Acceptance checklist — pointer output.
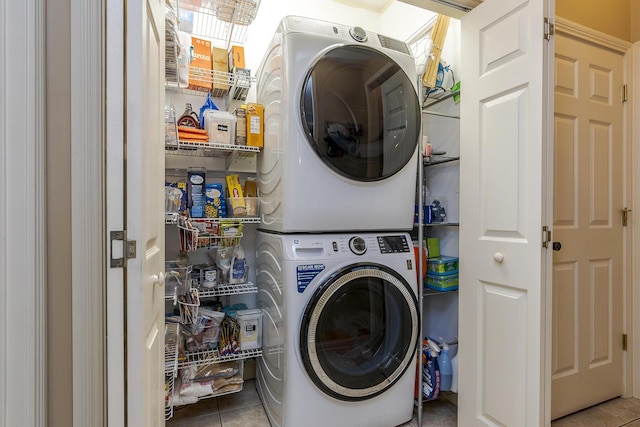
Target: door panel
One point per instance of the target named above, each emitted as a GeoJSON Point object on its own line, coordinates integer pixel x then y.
{"type": "Point", "coordinates": [588, 187]}
{"type": "Point", "coordinates": [145, 212]}
{"type": "Point", "coordinates": [503, 208]}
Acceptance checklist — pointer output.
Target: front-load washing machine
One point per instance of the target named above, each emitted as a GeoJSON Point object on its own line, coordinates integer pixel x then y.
{"type": "Point", "coordinates": [341, 127]}
{"type": "Point", "coordinates": [339, 330]}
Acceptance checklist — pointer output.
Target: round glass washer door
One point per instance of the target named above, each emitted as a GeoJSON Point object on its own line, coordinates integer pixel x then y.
{"type": "Point", "coordinates": [359, 332]}
{"type": "Point", "coordinates": [360, 113]}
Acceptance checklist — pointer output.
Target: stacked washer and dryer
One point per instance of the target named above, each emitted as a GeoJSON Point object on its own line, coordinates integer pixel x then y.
{"type": "Point", "coordinates": [336, 272]}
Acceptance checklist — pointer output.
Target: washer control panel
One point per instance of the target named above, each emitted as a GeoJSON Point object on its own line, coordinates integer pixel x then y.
{"type": "Point", "coordinates": [393, 244]}
{"type": "Point", "coordinates": [357, 245]}
{"type": "Point", "coordinates": [358, 34]}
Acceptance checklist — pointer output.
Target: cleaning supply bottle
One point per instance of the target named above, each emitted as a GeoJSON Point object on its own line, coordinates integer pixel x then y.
{"type": "Point", "coordinates": [446, 371]}
{"type": "Point", "coordinates": [430, 371]}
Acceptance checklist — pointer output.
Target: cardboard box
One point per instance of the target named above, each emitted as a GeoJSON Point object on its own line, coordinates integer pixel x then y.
{"type": "Point", "coordinates": [220, 66]}
{"type": "Point", "coordinates": [255, 125]}
{"type": "Point", "coordinates": [200, 79]}
{"type": "Point", "coordinates": [236, 58]}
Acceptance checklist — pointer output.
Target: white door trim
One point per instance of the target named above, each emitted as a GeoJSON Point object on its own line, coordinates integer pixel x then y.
{"type": "Point", "coordinates": [87, 213]}
{"type": "Point", "coordinates": [22, 214]}
{"type": "Point", "coordinates": [631, 142]}
{"type": "Point", "coordinates": [634, 129]}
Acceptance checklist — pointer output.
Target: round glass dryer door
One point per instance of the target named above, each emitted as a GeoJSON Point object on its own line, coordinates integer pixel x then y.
{"type": "Point", "coordinates": [359, 332]}
{"type": "Point", "coordinates": [360, 113]}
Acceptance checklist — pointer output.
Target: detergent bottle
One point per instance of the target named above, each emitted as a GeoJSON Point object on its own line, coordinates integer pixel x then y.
{"type": "Point", "coordinates": [446, 371]}
{"type": "Point", "coordinates": [430, 371]}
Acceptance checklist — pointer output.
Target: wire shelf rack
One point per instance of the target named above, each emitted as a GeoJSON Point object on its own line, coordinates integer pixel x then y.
{"type": "Point", "coordinates": [170, 365]}
{"type": "Point", "coordinates": [200, 358]}
{"type": "Point", "coordinates": [226, 289]}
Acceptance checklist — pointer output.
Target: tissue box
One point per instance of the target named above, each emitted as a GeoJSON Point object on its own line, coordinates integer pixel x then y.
{"type": "Point", "coordinates": [445, 282]}
{"type": "Point", "coordinates": [442, 265]}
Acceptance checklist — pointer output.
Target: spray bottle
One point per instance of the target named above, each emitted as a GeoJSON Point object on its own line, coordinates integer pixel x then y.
{"type": "Point", "coordinates": [446, 371]}
{"type": "Point", "coordinates": [431, 371]}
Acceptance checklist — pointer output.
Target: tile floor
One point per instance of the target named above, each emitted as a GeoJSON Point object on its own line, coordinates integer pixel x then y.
{"type": "Point", "coordinates": [245, 410]}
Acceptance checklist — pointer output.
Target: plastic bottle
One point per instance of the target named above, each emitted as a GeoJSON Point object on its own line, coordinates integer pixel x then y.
{"type": "Point", "coordinates": [431, 371]}
{"type": "Point", "coordinates": [446, 371]}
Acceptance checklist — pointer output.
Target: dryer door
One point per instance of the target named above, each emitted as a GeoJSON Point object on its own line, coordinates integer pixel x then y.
{"type": "Point", "coordinates": [360, 113]}
{"type": "Point", "coordinates": [359, 332]}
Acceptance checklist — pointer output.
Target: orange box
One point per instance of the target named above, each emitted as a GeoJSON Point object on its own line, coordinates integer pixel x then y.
{"type": "Point", "coordinates": [200, 67]}
{"type": "Point", "coordinates": [236, 58]}
{"type": "Point", "coordinates": [255, 125]}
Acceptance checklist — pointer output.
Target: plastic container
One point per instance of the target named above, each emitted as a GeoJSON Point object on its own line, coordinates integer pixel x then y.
{"type": "Point", "coordinates": [446, 371]}
{"type": "Point", "coordinates": [447, 282]}
{"type": "Point", "coordinates": [251, 207]}
{"type": "Point", "coordinates": [442, 265]}
{"type": "Point", "coordinates": [177, 278]}
{"type": "Point", "coordinates": [221, 126]}
{"type": "Point", "coordinates": [250, 322]}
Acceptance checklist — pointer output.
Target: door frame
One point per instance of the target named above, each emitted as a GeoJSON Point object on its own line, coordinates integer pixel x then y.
{"type": "Point", "coordinates": [633, 68]}
{"type": "Point", "coordinates": [631, 144]}
{"type": "Point", "coordinates": [23, 261]}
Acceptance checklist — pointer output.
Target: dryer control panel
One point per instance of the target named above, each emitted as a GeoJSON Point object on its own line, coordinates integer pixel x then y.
{"type": "Point", "coordinates": [393, 244]}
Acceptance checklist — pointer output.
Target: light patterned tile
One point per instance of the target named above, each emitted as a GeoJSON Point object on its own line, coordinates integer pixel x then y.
{"type": "Point", "coordinates": [249, 416]}
{"type": "Point", "coordinates": [247, 397]}
{"type": "Point", "coordinates": [608, 414]}
{"type": "Point", "coordinates": [207, 407]}
{"type": "Point", "coordinates": [210, 420]}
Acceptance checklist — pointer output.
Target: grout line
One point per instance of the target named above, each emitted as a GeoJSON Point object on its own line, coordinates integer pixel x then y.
{"type": "Point", "coordinates": [629, 422]}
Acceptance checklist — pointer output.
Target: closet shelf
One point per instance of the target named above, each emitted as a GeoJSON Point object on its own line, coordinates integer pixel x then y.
{"type": "Point", "coordinates": [429, 103]}
{"type": "Point", "coordinates": [442, 224]}
{"type": "Point", "coordinates": [435, 113]}
{"type": "Point", "coordinates": [437, 160]}
{"type": "Point", "coordinates": [224, 21]}
{"type": "Point", "coordinates": [225, 289]}
{"type": "Point", "coordinates": [200, 358]}
{"type": "Point", "coordinates": [206, 149]}
{"type": "Point", "coordinates": [430, 292]}
{"type": "Point", "coordinates": [222, 84]}
{"type": "Point", "coordinates": [171, 218]}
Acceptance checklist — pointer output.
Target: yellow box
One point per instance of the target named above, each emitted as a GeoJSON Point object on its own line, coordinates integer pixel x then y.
{"type": "Point", "coordinates": [220, 65]}
{"type": "Point", "coordinates": [200, 67]}
{"type": "Point", "coordinates": [255, 125]}
{"type": "Point", "coordinates": [236, 58]}
{"type": "Point", "coordinates": [236, 198]}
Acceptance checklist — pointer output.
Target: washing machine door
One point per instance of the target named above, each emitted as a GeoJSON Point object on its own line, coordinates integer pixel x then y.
{"type": "Point", "coordinates": [359, 332]}
{"type": "Point", "coordinates": [360, 113]}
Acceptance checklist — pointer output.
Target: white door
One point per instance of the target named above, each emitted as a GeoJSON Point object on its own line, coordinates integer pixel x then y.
{"type": "Point", "coordinates": [504, 205]}
{"type": "Point", "coordinates": [588, 199]}
{"type": "Point", "coordinates": [143, 296]}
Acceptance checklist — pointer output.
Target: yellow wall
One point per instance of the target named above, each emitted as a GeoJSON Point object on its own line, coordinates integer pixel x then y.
{"type": "Point", "coordinates": [635, 20]}
{"type": "Point", "coordinates": [611, 17]}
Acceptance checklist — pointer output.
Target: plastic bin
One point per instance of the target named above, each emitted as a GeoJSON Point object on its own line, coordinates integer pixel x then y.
{"type": "Point", "coordinates": [243, 207]}
{"type": "Point", "coordinates": [221, 126]}
{"type": "Point", "coordinates": [445, 282]}
{"type": "Point", "coordinates": [250, 322]}
{"type": "Point", "coordinates": [442, 265]}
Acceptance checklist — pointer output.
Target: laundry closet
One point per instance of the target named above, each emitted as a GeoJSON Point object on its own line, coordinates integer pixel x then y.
{"type": "Point", "coordinates": [352, 222]}
{"type": "Point", "coordinates": [435, 197]}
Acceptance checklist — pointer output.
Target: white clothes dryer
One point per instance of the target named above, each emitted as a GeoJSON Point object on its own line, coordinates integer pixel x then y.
{"type": "Point", "coordinates": [342, 123]}
{"type": "Point", "coordinates": [340, 329]}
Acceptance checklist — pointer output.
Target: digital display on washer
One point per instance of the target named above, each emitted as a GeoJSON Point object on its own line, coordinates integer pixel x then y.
{"type": "Point", "coordinates": [394, 44]}
{"type": "Point", "coordinates": [393, 244]}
